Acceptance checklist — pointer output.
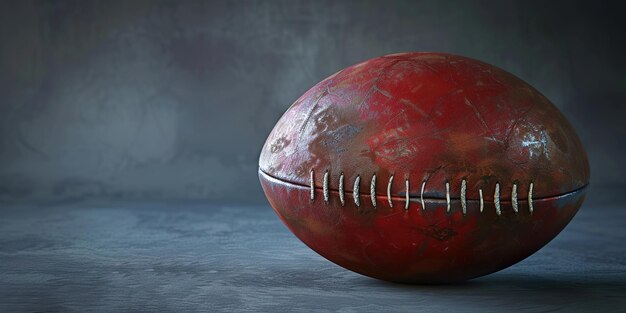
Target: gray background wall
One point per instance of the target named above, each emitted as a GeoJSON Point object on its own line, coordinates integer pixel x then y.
{"type": "Point", "coordinates": [173, 100]}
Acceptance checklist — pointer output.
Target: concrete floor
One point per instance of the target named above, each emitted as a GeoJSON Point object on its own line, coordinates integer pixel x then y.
{"type": "Point", "coordinates": [194, 257]}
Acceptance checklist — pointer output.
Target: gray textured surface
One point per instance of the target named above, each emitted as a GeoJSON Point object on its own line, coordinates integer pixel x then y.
{"type": "Point", "coordinates": [194, 257]}
{"type": "Point", "coordinates": [174, 99]}
{"type": "Point", "coordinates": [152, 100]}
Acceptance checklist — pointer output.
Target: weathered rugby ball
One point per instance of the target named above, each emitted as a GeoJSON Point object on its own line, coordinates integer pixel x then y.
{"type": "Point", "coordinates": [424, 168]}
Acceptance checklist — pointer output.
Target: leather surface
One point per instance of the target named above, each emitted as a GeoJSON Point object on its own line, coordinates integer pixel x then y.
{"type": "Point", "coordinates": [427, 117]}
{"type": "Point", "coordinates": [415, 245]}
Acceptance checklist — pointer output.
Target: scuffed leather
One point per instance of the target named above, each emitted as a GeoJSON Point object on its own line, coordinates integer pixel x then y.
{"type": "Point", "coordinates": [427, 117]}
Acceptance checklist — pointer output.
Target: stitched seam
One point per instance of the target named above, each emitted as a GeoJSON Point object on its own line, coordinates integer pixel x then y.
{"type": "Point", "coordinates": [418, 198]}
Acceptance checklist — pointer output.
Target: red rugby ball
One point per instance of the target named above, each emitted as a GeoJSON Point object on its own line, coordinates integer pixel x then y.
{"type": "Point", "coordinates": [424, 168]}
